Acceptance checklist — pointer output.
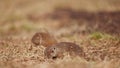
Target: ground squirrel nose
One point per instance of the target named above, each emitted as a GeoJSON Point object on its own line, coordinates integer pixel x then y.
{"type": "Point", "coordinates": [43, 38]}
{"type": "Point", "coordinates": [59, 50]}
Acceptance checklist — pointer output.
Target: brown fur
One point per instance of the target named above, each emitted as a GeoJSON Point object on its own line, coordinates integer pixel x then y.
{"type": "Point", "coordinates": [44, 39]}
{"type": "Point", "coordinates": [60, 49]}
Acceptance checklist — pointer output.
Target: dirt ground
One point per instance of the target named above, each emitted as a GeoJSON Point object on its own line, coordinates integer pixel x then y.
{"type": "Point", "coordinates": [93, 25]}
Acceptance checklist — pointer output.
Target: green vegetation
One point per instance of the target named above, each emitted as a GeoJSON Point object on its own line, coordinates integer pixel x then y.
{"type": "Point", "coordinates": [100, 35]}
{"type": "Point", "coordinates": [13, 18]}
{"type": "Point", "coordinates": [27, 27]}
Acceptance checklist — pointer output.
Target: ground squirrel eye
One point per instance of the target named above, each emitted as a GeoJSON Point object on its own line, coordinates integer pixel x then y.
{"type": "Point", "coordinates": [52, 51]}
{"type": "Point", "coordinates": [54, 48]}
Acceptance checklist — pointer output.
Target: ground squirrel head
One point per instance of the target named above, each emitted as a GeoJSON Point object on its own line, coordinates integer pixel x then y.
{"type": "Point", "coordinates": [52, 52]}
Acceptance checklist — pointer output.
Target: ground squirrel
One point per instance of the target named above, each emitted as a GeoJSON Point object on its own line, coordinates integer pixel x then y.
{"type": "Point", "coordinates": [60, 49]}
{"type": "Point", "coordinates": [43, 38]}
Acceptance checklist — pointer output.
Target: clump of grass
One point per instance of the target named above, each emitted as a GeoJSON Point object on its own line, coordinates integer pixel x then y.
{"type": "Point", "coordinates": [13, 18]}
{"type": "Point", "coordinates": [12, 27]}
{"type": "Point", "coordinates": [99, 35]}
{"type": "Point", "coordinates": [27, 27]}
{"type": "Point", "coordinates": [96, 35]}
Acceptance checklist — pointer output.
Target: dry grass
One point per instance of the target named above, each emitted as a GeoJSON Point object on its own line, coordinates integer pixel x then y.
{"type": "Point", "coordinates": [21, 53]}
